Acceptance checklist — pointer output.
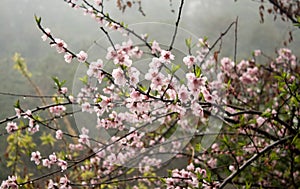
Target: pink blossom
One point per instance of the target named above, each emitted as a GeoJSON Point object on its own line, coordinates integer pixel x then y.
{"type": "Point", "coordinates": [11, 127]}
{"type": "Point", "coordinates": [52, 185]}
{"type": "Point", "coordinates": [57, 110]}
{"type": "Point", "coordinates": [68, 57]}
{"type": "Point", "coordinates": [64, 182]}
{"type": "Point", "coordinates": [183, 94]}
{"type": "Point", "coordinates": [94, 68]}
{"type": "Point", "coordinates": [62, 164]}
{"type": "Point", "coordinates": [155, 63]}
{"type": "Point", "coordinates": [133, 74]}
{"type": "Point", "coordinates": [84, 139]}
{"type": "Point", "coordinates": [231, 168]}
{"type": "Point", "coordinates": [86, 107]}
{"type": "Point", "coordinates": [197, 109]}
{"type": "Point", "coordinates": [155, 47]}
{"type": "Point", "coordinates": [123, 59]}
{"type": "Point", "coordinates": [27, 114]}
{"type": "Point", "coordinates": [190, 167]}
{"type": "Point", "coordinates": [260, 120]}
{"type": "Point", "coordinates": [34, 129]}
{"type": "Point", "coordinates": [58, 134]}
{"type": "Point", "coordinates": [10, 183]}
{"type": "Point", "coordinates": [63, 90]}
{"type": "Point", "coordinates": [242, 65]}
{"type": "Point", "coordinates": [195, 84]}
{"type": "Point", "coordinates": [36, 156]}
{"type": "Point", "coordinates": [82, 56]}
{"type": "Point", "coordinates": [18, 112]}
{"type": "Point", "coordinates": [157, 81]}
{"type": "Point", "coordinates": [189, 60]}
{"type": "Point", "coordinates": [227, 65]}
{"type": "Point", "coordinates": [60, 45]}
{"type": "Point", "coordinates": [46, 163]}
{"type": "Point", "coordinates": [257, 52]}
{"type": "Point", "coordinates": [166, 56]}
{"type": "Point", "coordinates": [53, 158]}
{"type": "Point", "coordinates": [119, 76]}
{"type": "Point", "coordinates": [152, 73]}
{"type": "Point", "coordinates": [47, 33]}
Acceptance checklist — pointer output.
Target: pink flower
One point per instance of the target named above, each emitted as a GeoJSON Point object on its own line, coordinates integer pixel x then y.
{"type": "Point", "coordinates": [189, 61]}
{"type": "Point", "coordinates": [53, 158]}
{"type": "Point", "coordinates": [86, 107]}
{"type": "Point", "coordinates": [46, 163]}
{"type": "Point", "coordinates": [190, 167]}
{"type": "Point", "coordinates": [10, 183]}
{"type": "Point", "coordinates": [123, 59]}
{"type": "Point", "coordinates": [45, 36]}
{"type": "Point", "coordinates": [183, 94]}
{"type": "Point", "coordinates": [64, 182]}
{"type": "Point", "coordinates": [34, 129]}
{"type": "Point", "coordinates": [166, 56]}
{"type": "Point", "coordinates": [84, 139]}
{"type": "Point", "coordinates": [18, 112]}
{"type": "Point", "coordinates": [36, 156]}
{"type": "Point", "coordinates": [68, 57]}
{"type": "Point", "coordinates": [257, 52]}
{"type": "Point", "coordinates": [231, 168]}
{"type": "Point", "coordinates": [133, 74]}
{"type": "Point", "coordinates": [63, 164]}
{"type": "Point", "coordinates": [197, 109]}
{"type": "Point", "coordinates": [94, 68]}
{"type": "Point", "coordinates": [58, 134]}
{"type": "Point", "coordinates": [260, 121]}
{"type": "Point", "coordinates": [155, 47]}
{"type": "Point", "coordinates": [57, 110]}
{"type": "Point", "coordinates": [63, 90]}
{"type": "Point", "coordinates": [227, 65]}
{"type": "Point", "coordinates": [82, 56]}
{"type": "Point", "coordinates": [60, 45]}
{"type": "Point", "coordinates": [119, 76]}
{"type": "Point", "coordinates": [11, 127]}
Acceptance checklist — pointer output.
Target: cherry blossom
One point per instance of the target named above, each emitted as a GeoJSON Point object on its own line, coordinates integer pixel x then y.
{"type": "Point", "coordinates": [46, 35]}
{"type": "Point", "coordinates": [60, 45]}
{"type": "Point", "coordinates": [10, 183]}
{"type": "Point", "coordinates": [155, 47]}
{"type": "Point", "coordinates": [166, 56]}
{"type": "Point", "coordinates": [189, 61]}
{"type": "Point", "coordinates": [36, 156]}
{"type": "Point", "coordinates": [57, 110]}
{"type": "Point", "coordinates": [82, 56]}
{"type": "Point", "coordinates": [68, 57]}
{"type": "Point", "coordinates": [11, 127]}
{"type": "Point", "coordinates": [227, 65]}
{"type": "Point", "coordinates": [119, 76]}
{"type": "Point", "coordinates": [58, 134]}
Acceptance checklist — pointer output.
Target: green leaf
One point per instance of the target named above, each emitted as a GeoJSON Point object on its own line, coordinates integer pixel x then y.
{"type": "Point", "coordinates": [175, 68]}
{"type": "Point", "coordinates": [47, 139]}
{"type": "Point", "coordinates": [37, 19]}
{"type": "Point", "coordinates": [197, 71]}
{"type": "Point", "coordinates": [188, 42]}
{"type": "Point", "coordinates": [84, 79]}
{"type": "Point", "coordinates": [17, 104]}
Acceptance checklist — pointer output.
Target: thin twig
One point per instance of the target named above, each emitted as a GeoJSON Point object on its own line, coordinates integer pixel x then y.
{"type": "Point", "coordinates": [109, 38]}
{"type": "Point", "coordinates": [176, 25]}
{"type": "Point", "coordinates": [235, 39]}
